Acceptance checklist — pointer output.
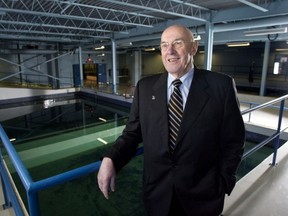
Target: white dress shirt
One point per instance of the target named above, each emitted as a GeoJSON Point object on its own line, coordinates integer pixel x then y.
{"type": "Point", "coordinates": [184, 88]}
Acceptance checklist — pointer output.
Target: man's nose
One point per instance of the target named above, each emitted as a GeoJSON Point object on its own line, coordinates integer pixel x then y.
{"type": "Point", "coordinates": [170, 48]}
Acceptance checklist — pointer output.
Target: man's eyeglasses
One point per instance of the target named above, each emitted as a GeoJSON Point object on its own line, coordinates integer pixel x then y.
{"type": "Point", "coordinates": [175, 44]}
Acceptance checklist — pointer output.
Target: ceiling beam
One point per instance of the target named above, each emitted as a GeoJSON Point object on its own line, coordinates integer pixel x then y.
{"type": "Point", "coordinates": [178, 9]}
{"type": "Point", "coordinates": [73, 17]}
{"type": "Point", "coordinates": [260, 8]}
{"type": "Point", "coordinates": [191, 5]}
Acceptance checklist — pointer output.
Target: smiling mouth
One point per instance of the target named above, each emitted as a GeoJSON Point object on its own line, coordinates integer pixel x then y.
{"type": "Point", "coordinates": [173, 59]}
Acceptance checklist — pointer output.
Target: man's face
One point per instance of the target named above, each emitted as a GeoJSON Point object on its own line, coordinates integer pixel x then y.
{"type": "Point", "coordinates": [177, 50]}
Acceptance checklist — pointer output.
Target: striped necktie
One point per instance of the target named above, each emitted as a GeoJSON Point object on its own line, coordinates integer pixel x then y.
{"type": "Point", "coordinates": [175, 110]}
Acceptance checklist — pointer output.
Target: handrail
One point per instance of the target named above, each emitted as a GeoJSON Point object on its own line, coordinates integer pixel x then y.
{"type": "Point", "coordinates": [16, 160]}
{"type": "Point", "coordinates": [32, 188]}
{"type": "Point", "coordinates": [263, 143]}
{"type": "Point", "coordinates": [278, 131]}
{"type": "Point", "coordinates": [261, 106]}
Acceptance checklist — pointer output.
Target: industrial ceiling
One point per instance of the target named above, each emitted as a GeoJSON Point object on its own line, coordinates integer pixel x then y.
{"type": "Point", "coordinates": [88, 23]}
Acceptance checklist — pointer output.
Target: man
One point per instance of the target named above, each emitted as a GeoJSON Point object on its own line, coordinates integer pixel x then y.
{"type": "Point", "coordinates": [190, 175]}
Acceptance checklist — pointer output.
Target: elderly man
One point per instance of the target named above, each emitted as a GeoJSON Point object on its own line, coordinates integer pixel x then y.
{"type": "Point", "coordinates": [192, 131]}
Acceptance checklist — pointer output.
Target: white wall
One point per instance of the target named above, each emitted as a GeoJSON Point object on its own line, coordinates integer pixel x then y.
{"type": "Point", "coordinates": [14, 93]}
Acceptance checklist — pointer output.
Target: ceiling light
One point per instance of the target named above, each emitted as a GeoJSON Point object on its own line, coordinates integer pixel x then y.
{"type": "Point", "coordinates": [149, 49]}
{"type": "Point", "coordinates": [99, 48]}
{"type": "Point", "coordinates": [125, 44]}
{"type": "Point", "coordinates": [238, 44]}
{"type": "Point", "coordinates": [197, 37]}
{"type": "Point", "coordinates": [265, 31]}
{"type": "Point", "coordinates": [281, 50]}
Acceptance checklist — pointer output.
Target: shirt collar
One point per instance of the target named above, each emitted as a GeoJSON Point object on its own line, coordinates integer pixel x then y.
{"type": "Point", "coordinates": [186, 79]}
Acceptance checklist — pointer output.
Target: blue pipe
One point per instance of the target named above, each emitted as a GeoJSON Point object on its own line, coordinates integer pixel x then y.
{"type": "Point", "coordinates": [64, 177]}
{"type": "Point", "coordinates": [276, 143]}
{"type": "Point", "coordinates": [70, 175]}
{"type": "Point", "coordinates": [7, 203]}
{"type": "Point", "coordinates": [17, 162]}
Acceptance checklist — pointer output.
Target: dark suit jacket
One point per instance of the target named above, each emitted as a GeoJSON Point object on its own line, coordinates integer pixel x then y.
{"type": "Point", "coordinates": [209, 147]}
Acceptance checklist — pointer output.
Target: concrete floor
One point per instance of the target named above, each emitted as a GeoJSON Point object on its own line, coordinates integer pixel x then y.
{"type": "Point", "coordinates": [263, 191]}
{"type": "Point", "coordinates": [4, 212]}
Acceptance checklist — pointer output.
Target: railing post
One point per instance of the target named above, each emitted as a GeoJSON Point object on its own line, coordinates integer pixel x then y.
{"type": "Point", "coordinates": [249, 118]}
{"type": "Point", "coordinates": [33, 203]}
{"type": "Point", "coordinates": [276, 142]}
{"type": "Point", "coordinates": [7, 203]}
{"type": "Point", "coordinates": [10, 196]}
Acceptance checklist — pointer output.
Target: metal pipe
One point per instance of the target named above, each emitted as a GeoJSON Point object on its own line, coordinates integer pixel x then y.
{"type": "Point", "coordinates": [16, 161]}
{"type": "Point", "coordinates": [209, 37]}
{"type": "Point", "coordinates": [276, 143]}
{"type": "Point", "coordinates": [265, 68]}
{"type": "Point", "coordinates": [114, 72]}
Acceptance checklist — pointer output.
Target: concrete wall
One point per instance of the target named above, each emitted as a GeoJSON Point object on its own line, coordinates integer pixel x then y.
{"type": "Point", "coordinates": [17, 93]}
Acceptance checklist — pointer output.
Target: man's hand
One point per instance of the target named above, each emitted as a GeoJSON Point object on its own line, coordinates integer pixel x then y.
{"type": "Point", "coordinates": [106, 177]}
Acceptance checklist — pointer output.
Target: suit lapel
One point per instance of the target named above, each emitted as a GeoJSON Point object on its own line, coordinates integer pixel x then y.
{"type": "Point", "coordinates": [159, 92]}
{"type": "Point", "coordinates": [197, 98]}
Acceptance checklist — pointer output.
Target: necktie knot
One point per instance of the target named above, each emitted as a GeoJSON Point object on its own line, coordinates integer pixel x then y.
{"type": "Point", "coordinates": [177, 83]}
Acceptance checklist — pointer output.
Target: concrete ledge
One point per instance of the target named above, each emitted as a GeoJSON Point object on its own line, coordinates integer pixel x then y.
{"type": "Point", "coordinates": [263, 191]}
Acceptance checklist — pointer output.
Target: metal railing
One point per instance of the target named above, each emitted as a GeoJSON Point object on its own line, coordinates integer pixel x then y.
{"type": "Point", "coordinates": [33, 187]}
{"type": "Point", "coordinates": [276, 135]}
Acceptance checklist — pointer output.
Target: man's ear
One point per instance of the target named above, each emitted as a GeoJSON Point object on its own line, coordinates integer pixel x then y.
{"type": "Point", "coordinates": [194, 47]}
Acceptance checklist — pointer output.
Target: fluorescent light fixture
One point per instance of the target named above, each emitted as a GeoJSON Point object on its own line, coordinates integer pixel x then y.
{"type": "Point", "coordinates": [149, 49]}
{"type": "Point", "coordinates": [265, 31]}
{"type": "Point", "coordinates": [197, 37]}
{"type": "Point", "coordinates": [99, 48]}
{"type": "Point", "coordinates": [12, 139]}
{"type": "Point", "coordinates": [125, 44]}
{"type": "Point", "coordinates": [281, 50]}
{"type": "Point", "coordinates": [238, 44]}
{"type": "Point", "coordinates": [276, 68]}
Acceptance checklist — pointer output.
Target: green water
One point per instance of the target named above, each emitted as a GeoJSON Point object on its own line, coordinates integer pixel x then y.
{"type": "Point", "coordinates": [254, 160]}
{"type": "Point", "coordinates": [82, 196]}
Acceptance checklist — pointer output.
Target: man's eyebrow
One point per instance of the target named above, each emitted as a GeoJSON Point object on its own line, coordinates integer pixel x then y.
{"type": "Point", "coordinates": [173, 40]}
